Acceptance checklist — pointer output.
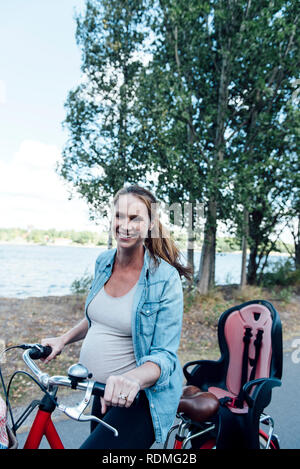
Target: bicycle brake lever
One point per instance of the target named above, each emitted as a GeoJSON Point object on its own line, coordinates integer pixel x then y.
{"type": "Point", "coordinates": [85, 418]}
{"type": "Point", "coordinates": [76, 412]}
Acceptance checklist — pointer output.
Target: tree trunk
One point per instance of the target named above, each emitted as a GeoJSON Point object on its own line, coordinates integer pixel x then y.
{"type": "Point", "coordinates": [110, 236]}
{"type": "Point", "coordinates": [252, 266]}
{"type": "Point", "coordinates": [210, 237]}
{"type": "Point", "coordinates": [191, 214]}
{"type": "Point", "coordinates": [191, 238]}
{"type": "Point", "coordinates": [243, 281]}
{"type": "Point", "coordinates": [212, 275]}
{"type": "Point", "coordinates": [190, 250]}
{"type": "Point", "coordinates": [297, 245]}
{"type": "Point", "coordinates": [204, 269]}
{"type": "Point", "coordinates": [255, 220]}
{"type": "Point", "coordinates": [205, 279]}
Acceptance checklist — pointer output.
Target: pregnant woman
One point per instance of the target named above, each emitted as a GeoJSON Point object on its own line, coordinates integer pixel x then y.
{"type": "Point", "coordinates": [132, 326]}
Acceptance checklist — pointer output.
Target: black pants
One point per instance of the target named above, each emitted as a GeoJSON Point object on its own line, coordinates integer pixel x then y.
{"type": "Point", "coordinates": [134, 425]}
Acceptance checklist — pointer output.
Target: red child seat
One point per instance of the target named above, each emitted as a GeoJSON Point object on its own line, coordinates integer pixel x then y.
{"type": "Point", "coordinates": [250, 341]}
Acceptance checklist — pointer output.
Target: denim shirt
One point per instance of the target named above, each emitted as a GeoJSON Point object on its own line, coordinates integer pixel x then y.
{"type": "Point", "coordinates": [156, 328]}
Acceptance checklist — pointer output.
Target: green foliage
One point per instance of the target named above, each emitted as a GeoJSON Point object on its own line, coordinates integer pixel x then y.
{"type": "Point", "coordinates": [284, 294]}
{"type": "Point", "coordinates": [98, 157]}
{"type": "Point", "coordinates": [7, 234]}
{"type": "Point", "coordinates": [87, 237]}
{"type": "Point", "coordinates": [82, 285]}
{"type": "Point", "coordinates": [51, 236]}
{"type": "Point", "coordinates": [218, 112]}
{"type": "Point", "coordinates": [228, 244]}
{"type": "Point", "coordinates": [282, 273]}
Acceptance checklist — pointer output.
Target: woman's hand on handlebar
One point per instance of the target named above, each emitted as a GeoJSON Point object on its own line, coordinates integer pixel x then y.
{"type": "Point", "coordinates": [78, 332]}
{"type": "Point", "coordinates": [56, 343]}
{"type": "Point", "coordinates": [120, 391]}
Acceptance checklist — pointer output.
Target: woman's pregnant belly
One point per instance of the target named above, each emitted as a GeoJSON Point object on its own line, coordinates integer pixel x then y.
{"type": "Point", "coordinates": [106, 353]}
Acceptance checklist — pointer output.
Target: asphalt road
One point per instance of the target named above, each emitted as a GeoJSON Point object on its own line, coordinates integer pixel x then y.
{"type": "Point", "coordinates": [284, 409]}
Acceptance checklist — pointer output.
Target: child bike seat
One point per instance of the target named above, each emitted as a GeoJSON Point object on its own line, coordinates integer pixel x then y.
{"type": "Point", "coordinates": [250, 342]}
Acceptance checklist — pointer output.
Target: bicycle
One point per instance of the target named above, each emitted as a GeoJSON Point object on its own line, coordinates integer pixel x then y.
{"type": "Point", "coordinates": [78, 378]}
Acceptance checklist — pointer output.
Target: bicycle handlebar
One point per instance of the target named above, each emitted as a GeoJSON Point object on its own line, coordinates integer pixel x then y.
{"type": "Point", "coordinates": [78, 378]}
{"type": "Point", "coordinates": [36, 352]}
{"type": "Point", "coordinates": [83, 382]}
{"type": "Point", "coordinates": [39, 351]}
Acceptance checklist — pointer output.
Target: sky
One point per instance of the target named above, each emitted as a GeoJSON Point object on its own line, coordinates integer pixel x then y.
{"type": "Point", "coordinates": [39, 65]}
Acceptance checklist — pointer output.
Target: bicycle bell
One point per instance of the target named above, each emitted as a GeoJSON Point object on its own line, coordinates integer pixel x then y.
{"type": "Point", "coordinates": [77, 373]}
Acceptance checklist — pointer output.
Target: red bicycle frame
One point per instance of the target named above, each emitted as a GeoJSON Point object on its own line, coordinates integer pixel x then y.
{"type": "Point", "coordinates": [43, 426]}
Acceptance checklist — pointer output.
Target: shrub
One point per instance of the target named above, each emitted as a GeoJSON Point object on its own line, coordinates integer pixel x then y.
{"type": "Point", "coordinates": [282, 273]}
{"type": "Point", "coordinates": [82, 285]}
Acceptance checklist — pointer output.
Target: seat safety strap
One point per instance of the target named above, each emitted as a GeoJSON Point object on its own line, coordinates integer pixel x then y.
{"type": "Point", "coordinates": [238, 401]}
{"type": "Point", "coordinates": [244, 377]}
{"type": "Point", "coordinates": [257, 344]}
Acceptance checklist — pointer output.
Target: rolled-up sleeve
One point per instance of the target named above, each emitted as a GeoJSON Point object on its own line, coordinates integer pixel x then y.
{"type": "Point", "coordinates": [166, 337]}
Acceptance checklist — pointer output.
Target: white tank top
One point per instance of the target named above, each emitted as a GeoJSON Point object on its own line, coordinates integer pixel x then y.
{"type": "Point", "coordinates": [107, 348]}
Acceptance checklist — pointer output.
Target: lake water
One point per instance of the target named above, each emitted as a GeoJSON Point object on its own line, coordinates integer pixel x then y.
{"type": "Point", "coordinates": [32, 270]}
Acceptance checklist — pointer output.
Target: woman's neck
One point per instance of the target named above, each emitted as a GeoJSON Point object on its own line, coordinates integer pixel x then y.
{"type": "Point", "coordinates": [132, 259]}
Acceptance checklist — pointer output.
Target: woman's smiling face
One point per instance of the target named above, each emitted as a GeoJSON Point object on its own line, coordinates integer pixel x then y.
{"type": "Point", "coordinates": [130, 221]}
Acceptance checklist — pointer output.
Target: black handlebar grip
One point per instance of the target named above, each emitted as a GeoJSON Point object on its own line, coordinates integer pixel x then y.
{"type": "Point", "coordinates": [99, 388]}
{"type": "Point", "coordinates": [47, 351]}
{"type": "Point", "coordinates": [136, 399]}
{"type": "Point", "coordinates": [40, 351]}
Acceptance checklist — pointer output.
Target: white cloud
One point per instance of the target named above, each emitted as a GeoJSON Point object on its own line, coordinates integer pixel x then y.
{"type": "Point", "coordinates": [2, 92]}
{"type": "Point", "coordinates": [32, 193]}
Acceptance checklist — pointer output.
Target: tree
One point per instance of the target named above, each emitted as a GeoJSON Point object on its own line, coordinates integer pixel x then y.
{"type": "Point", "coordinates": [292, 187]}
{"type": "Point", "coordinates": [226, 71]}
{"type": "Point", "coordinates": [263, 131]}
{"type": "Point", "coordinates": [183, 124]}
{"type": "Point", "coordinates": [99, 156]}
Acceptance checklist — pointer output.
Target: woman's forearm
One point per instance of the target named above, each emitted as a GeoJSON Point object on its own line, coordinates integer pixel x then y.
{"type": "Point", "coordinates": [78, 332]}
{"type": "Point", "coordinates": [146, 374]}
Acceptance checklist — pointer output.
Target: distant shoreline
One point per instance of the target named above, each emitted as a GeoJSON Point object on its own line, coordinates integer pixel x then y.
{"type": "Point", "coordinates": [54, 244]}
{"type": "Point", "coordinates": [69, 243]}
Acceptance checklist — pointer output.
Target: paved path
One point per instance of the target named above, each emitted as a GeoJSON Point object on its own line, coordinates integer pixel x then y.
{"type": "Point", "coordinates": [284, 409]}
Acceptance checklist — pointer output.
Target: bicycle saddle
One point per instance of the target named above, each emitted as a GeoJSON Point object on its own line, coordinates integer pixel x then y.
{"type": "Point", "coordinates": [198, 405]}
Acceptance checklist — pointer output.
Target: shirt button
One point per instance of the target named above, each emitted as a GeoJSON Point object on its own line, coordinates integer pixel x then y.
{"type": "Point", "coordinates": [152, 405]}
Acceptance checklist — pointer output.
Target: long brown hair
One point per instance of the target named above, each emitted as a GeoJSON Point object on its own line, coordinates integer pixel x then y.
{"type": "Point", "coordinates": [160, 245]}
